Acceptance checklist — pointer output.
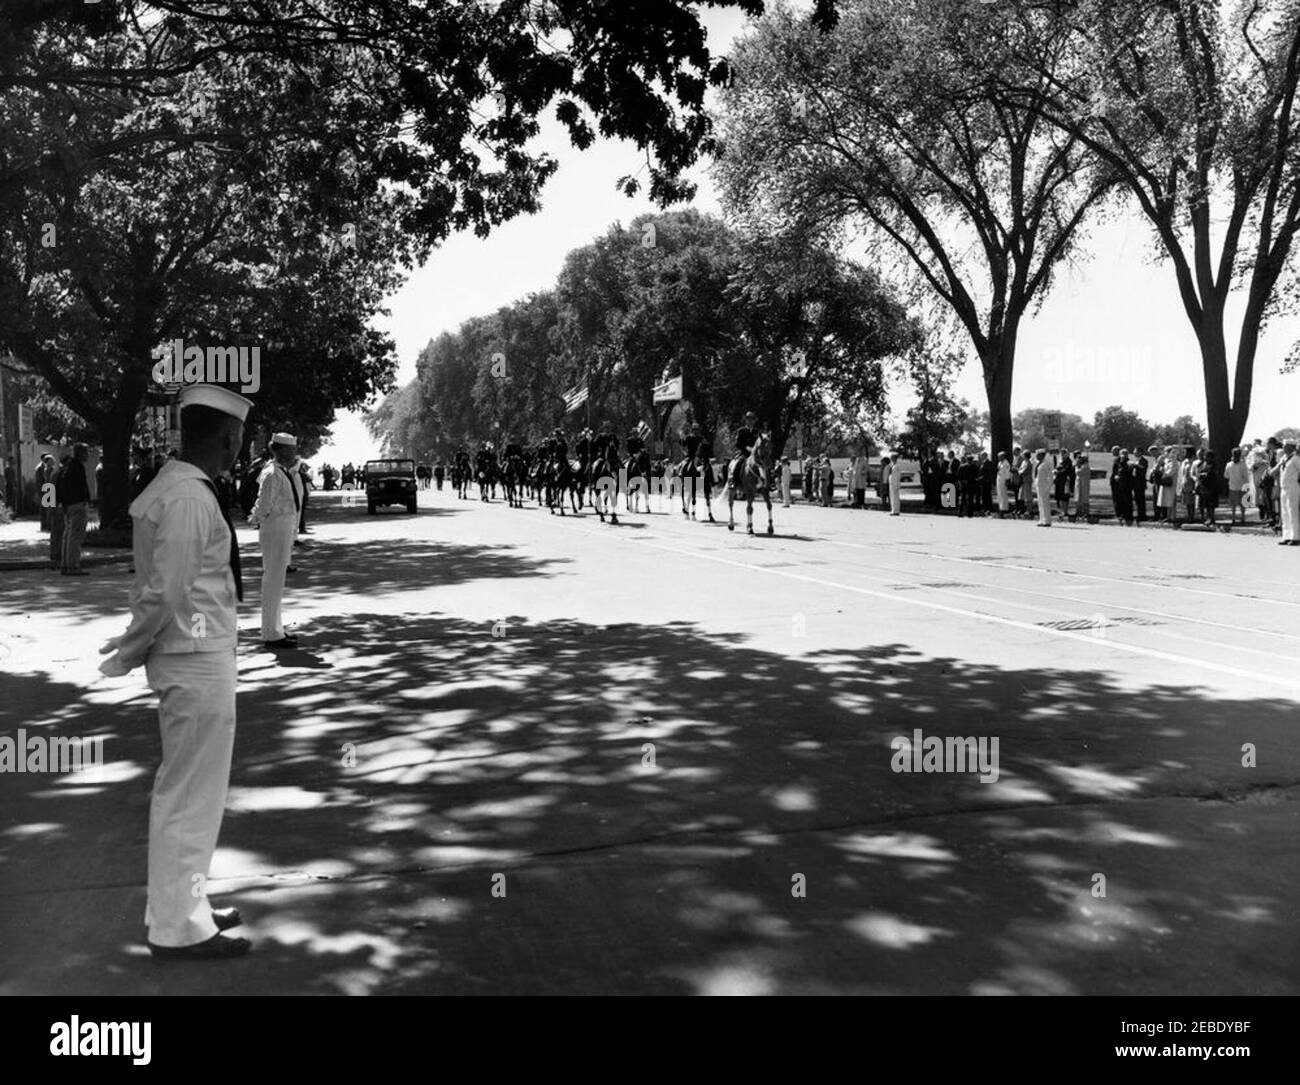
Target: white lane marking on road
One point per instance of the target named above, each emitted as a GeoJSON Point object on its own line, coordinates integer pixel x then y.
{"type": "Point", "coordinates": [1029, 627]}
{"type": "Point", "coordinates": [1154, 630]}
{"type": "Point", "coordinates": [1123, 580]}
{"type": "Point", "coordinates": [1066, 572]}
{"type": "Point", "coordinates": [1253, 631]}
{"type": "Point", "coordinates": [874, 548]}
{"type": "Point", "coordinates": [1084, 638]}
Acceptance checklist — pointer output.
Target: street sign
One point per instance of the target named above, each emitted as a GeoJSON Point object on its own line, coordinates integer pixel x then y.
{"type": "Point", "coordinates": [668, 392]}
{"type": "Point", "coordinates": [1052, 430]}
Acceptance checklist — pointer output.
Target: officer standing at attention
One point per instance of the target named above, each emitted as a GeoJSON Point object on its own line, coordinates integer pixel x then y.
{"type": "Point", "coordinates": [276, 516]}
{"type": "Point", "coordinates": [183, 629]}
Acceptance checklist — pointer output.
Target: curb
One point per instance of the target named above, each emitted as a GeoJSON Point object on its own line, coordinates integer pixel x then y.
{"type": "Point", "coordinates": [28, 564]}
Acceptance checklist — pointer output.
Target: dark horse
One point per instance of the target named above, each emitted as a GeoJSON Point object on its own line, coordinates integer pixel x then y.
{"type": "Point", "coordinates": [695, 473]}
{"type": "Point", "coordinates": [513, 474]}
{"type": "Point", "coordinates": [639, 470]}
{"type": "Point", "coordinates": [487, 477]}
{"type": "Point", "coordinates": [558, 481]}
{"type": "Point", "coordinates": [749, 475]}
{"type": "Point", "coordinates": [461, 475]}
{"type": "Point", "coordinates": [602, 479]}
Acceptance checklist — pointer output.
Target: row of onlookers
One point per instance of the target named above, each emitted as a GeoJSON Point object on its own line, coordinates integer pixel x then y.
{"type": "Point", "coordinates": [1171, 485]}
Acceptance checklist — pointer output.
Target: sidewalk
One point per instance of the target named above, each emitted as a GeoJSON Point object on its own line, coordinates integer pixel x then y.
{"type": "Point", "coordinates": [23, 545]}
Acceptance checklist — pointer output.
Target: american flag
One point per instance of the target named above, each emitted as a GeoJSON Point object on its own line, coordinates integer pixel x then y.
{"type": "Point", "coordinates": [574, 398]}
{"type": "Point", "coordinates": [643, 430]}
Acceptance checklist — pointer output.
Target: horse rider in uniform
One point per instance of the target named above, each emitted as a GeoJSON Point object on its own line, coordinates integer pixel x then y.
{"type": "Point", "coordinates": [184, 630]}
{"type": "Point", "coordinates": [746, 437]}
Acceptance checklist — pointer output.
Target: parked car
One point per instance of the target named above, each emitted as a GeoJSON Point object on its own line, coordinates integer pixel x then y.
{"type": "Point", "coordinates": [390, 482]}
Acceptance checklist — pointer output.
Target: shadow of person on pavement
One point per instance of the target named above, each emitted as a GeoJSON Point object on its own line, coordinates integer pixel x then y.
{"type": "Point", "coordinates": [574, 808]}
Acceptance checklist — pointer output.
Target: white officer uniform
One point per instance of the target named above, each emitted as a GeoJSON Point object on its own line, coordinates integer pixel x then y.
{"type": "Point", "coordinates": [183, 629]}
{"type": "Point", "coordinates": [276, 516]}
{"type": "Point", "coordinates": [1289, 487]}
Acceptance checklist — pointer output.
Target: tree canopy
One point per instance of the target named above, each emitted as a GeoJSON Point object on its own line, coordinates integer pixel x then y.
{"type": "Point", "coordinates": [773, 325]}
{"type": "Point", "coordinates": [886, 128]}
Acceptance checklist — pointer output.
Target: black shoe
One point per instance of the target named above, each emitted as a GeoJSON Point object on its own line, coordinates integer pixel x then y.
{"type": "Point", "coordinates": [292, 569]}
{"type": "Point", "coordinates": [283, 642]}
{"type": "Point", "coordinates": [225, 918]}
{"type": "Point", "coordinates": [216, 948]}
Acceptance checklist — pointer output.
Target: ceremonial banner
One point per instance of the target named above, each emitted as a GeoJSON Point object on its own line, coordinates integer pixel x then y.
{"type": "Point", "coordinates": [668, 392]}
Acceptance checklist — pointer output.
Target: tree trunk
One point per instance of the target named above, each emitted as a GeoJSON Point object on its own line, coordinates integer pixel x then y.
{"type": "Point", "coordinates": [115, 484]}
{"type": "Point", "coordinates": [999, 362]}
{"type": "Point", "coordinates": [1225, 427]}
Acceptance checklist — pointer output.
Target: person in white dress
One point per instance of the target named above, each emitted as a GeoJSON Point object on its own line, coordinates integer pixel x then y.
{"type": "Point", "coordinates": [1287, 473]}
{"type": "Point", "coordinates": [1003, 482]}
{"type": "Point", "coordinates": [1043, 476]}
{"type": "Point", "coordinates": [183, 630]}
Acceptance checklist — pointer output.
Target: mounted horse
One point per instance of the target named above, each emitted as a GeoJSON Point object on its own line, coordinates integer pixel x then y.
{"type": "Point", "coordinates": [513, 474]}
{"type": "Point", "coordinates": [695, 475]}
{"type": "Point", "coordinates": [750, 474]}
{"type": "Point", "coordinates": [559, 480]}
{"type": "Point", "coordinates": [640, 471]}
{"type": "Point", "coordinates": [461, 475]}
{"type": "Point", "coordinates": [602, 479]}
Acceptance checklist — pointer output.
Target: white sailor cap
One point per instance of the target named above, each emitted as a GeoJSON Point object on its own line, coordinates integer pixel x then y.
{"type": "Point", "coordinates": [285, 439]}
{"type": "Point", "coordinates": [216, 397]}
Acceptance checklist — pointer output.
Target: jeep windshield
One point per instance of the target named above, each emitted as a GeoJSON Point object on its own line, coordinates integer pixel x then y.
{"type": "Point", "coordinates": [390, 467]}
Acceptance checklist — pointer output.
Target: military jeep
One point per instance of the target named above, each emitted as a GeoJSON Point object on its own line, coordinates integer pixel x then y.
{"type": "Point", "coordinates": [390, 482]}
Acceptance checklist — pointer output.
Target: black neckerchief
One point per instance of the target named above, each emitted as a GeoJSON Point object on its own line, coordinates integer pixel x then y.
{"type": "Point", "coordinates": [297, 505]}
{"type": "Point", "coordinates": [234, 542]}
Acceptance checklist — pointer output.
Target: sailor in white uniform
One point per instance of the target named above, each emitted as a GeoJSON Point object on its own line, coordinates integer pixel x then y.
{"type": "Point", "coordinates": [183, 629]}
{"type": "Point", "coordinates": [279, 503]}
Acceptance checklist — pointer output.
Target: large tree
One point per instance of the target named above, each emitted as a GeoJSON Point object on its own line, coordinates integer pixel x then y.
{"type": "Point", "coordinates": [264, 236]}
{"type": "Point", "coordinates": [1192, 105]}
{"type": "Point", "coordinates": [269, 130]}
{"type": "Point", "coordinates": [776, 324]}
{"type": "Point", "coordinates": [887, 127]}
{"type": "Point", "coordinates": [464, 81]}
{"type": "Point", "coordinates": [773, 325]}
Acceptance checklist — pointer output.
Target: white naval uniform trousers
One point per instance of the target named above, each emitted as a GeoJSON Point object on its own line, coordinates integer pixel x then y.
{"type": "Point", "coordinates": [196, 717]}
{"type": "Point", "coordinates": [1289, 488]}
{"type": "Point", "coordinates": [276, 515]}
{"type": "Point", "coordinates": [183, 629]}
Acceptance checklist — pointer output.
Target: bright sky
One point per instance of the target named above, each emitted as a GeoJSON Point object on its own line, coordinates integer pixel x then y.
{"type": "Point", "coordinates": [1112, 331]}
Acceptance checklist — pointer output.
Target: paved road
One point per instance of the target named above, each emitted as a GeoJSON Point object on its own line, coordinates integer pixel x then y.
{"type": "Point", "coordinates": [669, 747]}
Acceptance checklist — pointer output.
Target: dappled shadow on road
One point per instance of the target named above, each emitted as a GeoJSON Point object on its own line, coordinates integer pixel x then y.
{"type": "Point", "coordinates": [379, 567]}
{"type": "Point", "coordinates": [325, 569]}
{"type": "Point", "coordinates": [653, 798]}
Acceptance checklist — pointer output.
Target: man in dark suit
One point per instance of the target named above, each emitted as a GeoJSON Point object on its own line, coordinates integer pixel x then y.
{"type": "Point", "coordinates": [1139, 484]}
{"type": "Point", "coordinates": [967, 484]}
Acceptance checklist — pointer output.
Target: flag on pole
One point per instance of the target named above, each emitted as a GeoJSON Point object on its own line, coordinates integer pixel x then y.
{"type": "Point", "coordinates": [575, 397]}
{"type": "Point", "coordinates": [643, 430]}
